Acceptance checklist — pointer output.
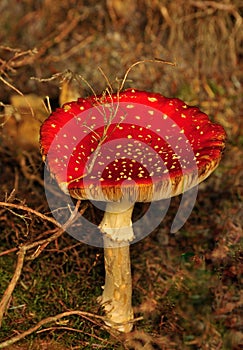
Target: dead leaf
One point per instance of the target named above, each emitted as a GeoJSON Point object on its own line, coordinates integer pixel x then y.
{"type": "Point", "coordinates": [220, 252]}
{"type": "Point", "coordinates": [23, 118]}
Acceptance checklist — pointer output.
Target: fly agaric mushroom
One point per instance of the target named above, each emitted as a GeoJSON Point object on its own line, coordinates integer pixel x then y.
{"type": "Point", "coordinates": [122, 148]}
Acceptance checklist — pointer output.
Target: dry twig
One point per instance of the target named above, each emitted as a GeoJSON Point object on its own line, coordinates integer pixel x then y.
{"type": "Point", "coordinates": [25, 247]}
{"type": "Point", "coordinates": [47, 320]}
{"type": "Point", "coordinates": [87, 315]}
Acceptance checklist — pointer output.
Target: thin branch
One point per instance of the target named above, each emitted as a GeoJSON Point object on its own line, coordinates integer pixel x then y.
{"type": "Point", "coordinates": [20, 93]}
{"type": "Point", "coordinates": [11, 86]}
{"type": "Point", "coordinates": [155, 60]}
{"type": "Point", "coordinates": [25, 247]}
{"type": "Point", "coordinates": [106, 79]}
{"type": "Point", "coordinates": [6, 252]}
{"type": "Point", "coordinates": [46, 321]}
{"type": "Point", "coordinates": [8, 292]}
{"type": "Point", "coordinates": [86, 315]}
{"type": "Point", "coordinates": [44, 242]}
{"type": "Point", "coordinates": [113, 111]}
{"type": "Point", "coordinates": [32, 211]}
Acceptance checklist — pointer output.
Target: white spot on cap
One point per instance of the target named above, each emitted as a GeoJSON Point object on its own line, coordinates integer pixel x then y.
{"type": "Point", "coordinates": [152, 99]}
{"type": "Point", "coordinates": [66, 108]}
{"type": "Point", "coordinates": [130, 106]}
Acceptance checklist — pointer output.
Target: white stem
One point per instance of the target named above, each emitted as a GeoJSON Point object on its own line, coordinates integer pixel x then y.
{"type": "Point", "coordinates": [117, 222]}
{"type": "Point", "coordinates": [117, 294]}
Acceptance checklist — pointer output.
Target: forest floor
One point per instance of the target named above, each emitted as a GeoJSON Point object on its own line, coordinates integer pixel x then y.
{"type": "Point", "coordinates": [187, 286]}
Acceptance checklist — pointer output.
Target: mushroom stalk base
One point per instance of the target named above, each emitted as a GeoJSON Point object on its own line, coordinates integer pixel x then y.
{"type": "Point", "coordinates": [117, 295]}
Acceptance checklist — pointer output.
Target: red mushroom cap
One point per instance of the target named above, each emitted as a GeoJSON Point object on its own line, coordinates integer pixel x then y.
{"type": "Point", "coordinates": [137, 144]}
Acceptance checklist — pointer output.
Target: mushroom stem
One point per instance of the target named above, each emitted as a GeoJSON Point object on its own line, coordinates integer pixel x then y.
{"type": "Point", "coordinates": [117, 294]}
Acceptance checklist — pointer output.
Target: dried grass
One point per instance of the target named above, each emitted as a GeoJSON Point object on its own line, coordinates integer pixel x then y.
{"type": "Point", "coordinates": [204, 37]}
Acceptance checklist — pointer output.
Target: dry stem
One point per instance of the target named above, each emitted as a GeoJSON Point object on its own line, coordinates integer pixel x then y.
{"type": "Point", "coordinates": [87, 315]}
{"type": "Point", "coordinates": [45, 321]}
{"type": "Point", "coordinates": [41, 244]}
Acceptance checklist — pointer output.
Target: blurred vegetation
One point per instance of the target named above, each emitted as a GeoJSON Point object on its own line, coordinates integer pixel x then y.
{"type": "Point", "coordinates": [188, 285]}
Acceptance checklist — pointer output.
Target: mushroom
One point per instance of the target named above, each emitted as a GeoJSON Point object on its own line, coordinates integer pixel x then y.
{"type": "Point", "coordinates": [122, 148]}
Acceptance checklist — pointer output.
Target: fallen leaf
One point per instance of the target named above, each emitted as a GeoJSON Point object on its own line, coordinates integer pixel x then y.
{"type": "Point", "coordinates": [23, 118]}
